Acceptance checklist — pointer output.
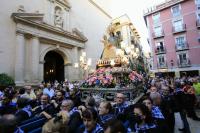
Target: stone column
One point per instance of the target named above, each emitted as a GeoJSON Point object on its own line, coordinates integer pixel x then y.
{"type": "Point", "coordinates": [20, 59]}
{"type": "Point", "coordinates": [75, 60]}
{"type": "Point", "coordinates": [35, 59]}
{"type": "Point", "coordinates": [41, 70]}
{"type": "Point", "coordinates": [177, 74]}
{"type": "Point", "coordinates": [65, 20]}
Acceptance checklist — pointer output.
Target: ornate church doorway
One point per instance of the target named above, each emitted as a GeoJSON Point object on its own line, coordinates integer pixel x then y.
{"type": "Point", "coordinates": [53, 67]}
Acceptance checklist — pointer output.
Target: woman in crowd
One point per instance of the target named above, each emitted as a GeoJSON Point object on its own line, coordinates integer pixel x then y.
{"type": "Point", "coordinates": [157, 115]}
{"type": "Point", "coordinates": [105, 112]}
{"type": "Point", "coordinates": [57, 124]}
{"type": "Point", "coordinates": [143, 120]}
{"type": "Point", "coordinates": [90, 117]}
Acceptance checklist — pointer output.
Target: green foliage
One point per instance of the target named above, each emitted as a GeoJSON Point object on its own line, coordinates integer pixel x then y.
{"type": "Point", "coordinates": [6, 80]}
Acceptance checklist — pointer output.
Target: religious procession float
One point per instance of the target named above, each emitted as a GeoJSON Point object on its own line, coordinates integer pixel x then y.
{"type": "Point", "coordinates": [117, 69]}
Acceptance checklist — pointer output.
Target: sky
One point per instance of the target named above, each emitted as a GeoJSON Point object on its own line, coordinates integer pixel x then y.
{"type": "Point", "coordinates": [134, 9]}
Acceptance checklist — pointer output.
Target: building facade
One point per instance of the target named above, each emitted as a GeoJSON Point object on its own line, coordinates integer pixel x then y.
{"type": "Point", "coordinates": [42, 39]}
{"type": "Point", "coordinates": [174, 37]}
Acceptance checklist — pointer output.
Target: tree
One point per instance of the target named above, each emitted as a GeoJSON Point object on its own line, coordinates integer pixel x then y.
{"type": "Point", "coordinates": [6, 80]}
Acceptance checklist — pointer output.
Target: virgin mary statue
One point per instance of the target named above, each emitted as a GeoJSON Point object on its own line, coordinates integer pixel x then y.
{"type": "Point", "coordinates": [109, 51]}
{"type": "Point", "coordinates": [111, 43]}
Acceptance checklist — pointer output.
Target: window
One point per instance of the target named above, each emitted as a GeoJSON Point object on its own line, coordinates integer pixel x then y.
{"type": "Point", "coordinates": [156, 18]}
{"type": "Point", "coordinates": [198, 4]}
{"type": "Point", "coordinates": [158, 31]}
{"type": "Point", "coordinates": [198, 16]}
{"type": "Point", "coordinates": [160, 46]}
{"type": "Point", "coordinates": [178, 25]}
{"type": "Point", "coordinates": [183, 58]}
{"type": "Point", "coordinates": [180, 42]}
{"type": "Point", "coordinates": [161, 61]}
{"type": "Point", "coordinates": [176, 11]}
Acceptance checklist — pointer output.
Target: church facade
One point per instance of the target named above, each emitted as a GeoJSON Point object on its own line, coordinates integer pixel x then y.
{"type": "Point", "coordinates": [42, 39]}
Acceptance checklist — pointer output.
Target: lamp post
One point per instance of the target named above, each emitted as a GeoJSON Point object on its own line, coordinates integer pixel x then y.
{"type": "Point", "coordinates": [84, 64]}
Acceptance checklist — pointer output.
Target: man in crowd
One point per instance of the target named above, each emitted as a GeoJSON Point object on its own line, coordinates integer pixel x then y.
{"type": "Point", "coordinates": [105, 113]}
{"type": "Point", "coordinates": [120, 107]}
{"type": "Point", "coordinates": [49, 90]}
{"type": "Point", "coordinates": [29, 93]}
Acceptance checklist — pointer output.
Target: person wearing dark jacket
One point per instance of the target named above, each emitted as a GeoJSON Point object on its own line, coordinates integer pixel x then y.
{"type": "Point", "coordinates": [105, 113]}
{"type": "Point", "coordinates": [121, 107]}
{"type": "Point", "coordinates": [143, 120]}
{"type": "Point", "coordinates": [74, 116]}
{"type": "Point", "coordinates": [179, 97]}
{"type": "Point", "coordinates": [190, 101]}
{"type": "Point", "coordinates": [24, 110]}
{"type": "Point", "coordinates": [45, 108]}
{"type": "Point", "coordinates": [157, 115]}
{"type": "Point", "coordinates": [167, 106]}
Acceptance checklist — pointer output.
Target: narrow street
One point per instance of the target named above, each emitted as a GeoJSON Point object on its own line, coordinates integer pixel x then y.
{"type": "Point", "coordinates": [194, 125]}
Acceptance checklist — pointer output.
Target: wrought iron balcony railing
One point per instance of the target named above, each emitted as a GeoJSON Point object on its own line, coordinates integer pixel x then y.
{"type": "Point", "coordinates": [158, 34]}
{"type": "Point", "coordinates": [162, 65]}
{"type": "Point", "coordinates": [184, 63]}
{"type": "Point", "coordinates": [179, 28]}
{"type": "Point", "coordinates": [160, 50]}
{"type": "Point", "coordinates": [182, 46]}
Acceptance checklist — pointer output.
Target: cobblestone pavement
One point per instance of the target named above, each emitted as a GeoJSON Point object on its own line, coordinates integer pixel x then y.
{"type": "Point", "coordinates": [194, 125]}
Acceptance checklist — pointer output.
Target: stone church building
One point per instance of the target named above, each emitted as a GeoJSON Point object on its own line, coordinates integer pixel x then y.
{"type": "Point", "coordinates": [42, 39]}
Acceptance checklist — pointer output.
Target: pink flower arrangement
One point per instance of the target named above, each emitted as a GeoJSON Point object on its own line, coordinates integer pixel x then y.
{"type": "Point", "coordinates": [103, 77]}
{"type": "Point", "coordinates": [135, 76]}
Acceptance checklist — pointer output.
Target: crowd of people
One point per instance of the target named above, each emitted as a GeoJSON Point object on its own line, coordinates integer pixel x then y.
{"type": "Point", "coordinates": [61, 110]}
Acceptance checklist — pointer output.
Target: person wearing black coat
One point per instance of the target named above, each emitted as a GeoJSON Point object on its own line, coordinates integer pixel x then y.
{"type": "Point", "coordinates": [179, 98]}
{"type": "Point", "coordinates": [24, 110]}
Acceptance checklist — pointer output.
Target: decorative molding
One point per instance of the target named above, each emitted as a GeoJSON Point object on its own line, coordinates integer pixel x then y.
{"type": "Point", "coordinates": [63, 3]}
{"type": "Point", "coordinates": [21, 9]}
{"type": "Point", "coordinates": [62, 51]}
{"type": "Point", "coordinates": [42, 62]}
{"type": "Point", "coordinates": [20, 33]}
{"type": "Point", "coordinates": [68, 64]}
{"type": "Point", "coordinates": [79, 33]}
{"type": "Point", "coordinates": [162, 6]}
{"type": "Point", "coordinates": [24, 18]}
{"type": "Point", "coordinates": [101, 9]}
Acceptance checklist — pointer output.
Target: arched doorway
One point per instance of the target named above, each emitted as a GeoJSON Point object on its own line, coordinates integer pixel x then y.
{"type": "Point", "coordinates": [53, 67]}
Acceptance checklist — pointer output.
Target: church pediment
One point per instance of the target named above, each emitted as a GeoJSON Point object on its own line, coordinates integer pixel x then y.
{"type": "Point", "coordinates": [36, 20]}
{"type": "Point", "coordinates": [35, 17]}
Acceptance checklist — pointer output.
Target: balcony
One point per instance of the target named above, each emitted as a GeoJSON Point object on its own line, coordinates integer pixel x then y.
{"type": "Point", "coordinates": [198, 23]}
{"type": "Point", "coordinates": [184, 63]}
{"type": "Point", "coordinates": [160, 50]}
{"type": "Point", "coordinates": [162, 65]}
{"type": "Point", "coordinates": [182, 46]}
{"type": "Point", "coordinates": [179, 29]}
{"type": "Point", "coordinates": [158, 34]}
